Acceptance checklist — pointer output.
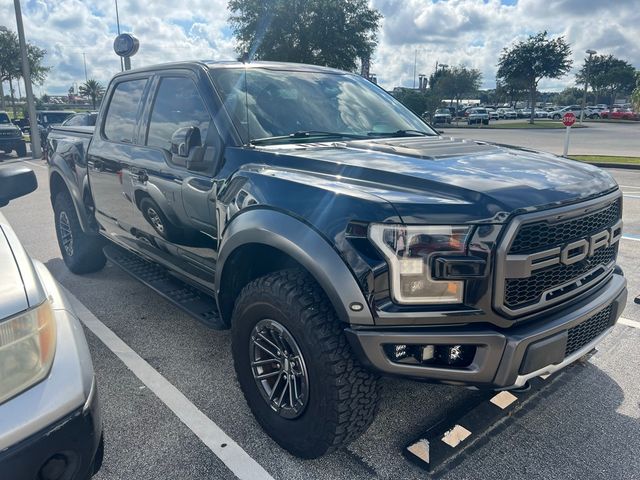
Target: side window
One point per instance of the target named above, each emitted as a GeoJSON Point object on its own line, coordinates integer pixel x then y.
{"type": "Point", "coordinates": [177, 104]}
{"type": "Point", "coordinates": [75, 121]}
{"type": "Point", "coordinates": [120, 123]}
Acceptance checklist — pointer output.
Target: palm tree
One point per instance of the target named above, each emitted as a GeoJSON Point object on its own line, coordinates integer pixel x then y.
{"type": "Point", "coordinates": [92, 89]}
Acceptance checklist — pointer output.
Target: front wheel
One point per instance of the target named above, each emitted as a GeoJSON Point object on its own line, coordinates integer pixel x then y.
{"type": "Point", "coordinates": [82, 253]}
{"type": "Point", "coordinates": [296, 368]}
{"type": "Point", "coordinates": [21, 149]}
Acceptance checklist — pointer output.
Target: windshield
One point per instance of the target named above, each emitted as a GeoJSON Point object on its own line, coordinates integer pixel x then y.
{"type": "Point", "coordinates": [4, 118]}
{"type": "Point", "coordinates": [52, 118]}
{"type": "Point", "coordinates": [443, 111]}
{"type": "Point", "coordinates": [282, 103]}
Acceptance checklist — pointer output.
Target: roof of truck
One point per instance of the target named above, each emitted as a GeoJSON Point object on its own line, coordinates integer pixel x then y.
{"type": "Point", "coordinates": [214, 65]}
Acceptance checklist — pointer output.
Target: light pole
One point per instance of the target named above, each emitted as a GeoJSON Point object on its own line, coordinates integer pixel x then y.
{"type": "Point", "coordinates": [84, 58]}
{"type": "Point", "coordinates": [36, 151]}
{"type": "Point", "coordinates": [591, 53]}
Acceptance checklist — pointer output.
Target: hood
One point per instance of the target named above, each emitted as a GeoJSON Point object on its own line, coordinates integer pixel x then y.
{"type": "Point", "coordinates": [13, 298]}
{"type": "Point", "coordinates": [443, 179]}
{"type": "Point", "coordinates": [8, 127]}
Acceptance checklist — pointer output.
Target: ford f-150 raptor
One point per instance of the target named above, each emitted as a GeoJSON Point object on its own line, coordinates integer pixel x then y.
{"type": "Point", "coordinates": [338, 236]}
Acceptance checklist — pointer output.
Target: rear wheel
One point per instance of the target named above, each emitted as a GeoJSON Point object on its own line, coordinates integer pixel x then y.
{"type": "Point", "coordinates": [21, 149]}
{"type": "Point", "coordinates": [82, 253]}
{"type": "Point", "coordinates": [296, 368]}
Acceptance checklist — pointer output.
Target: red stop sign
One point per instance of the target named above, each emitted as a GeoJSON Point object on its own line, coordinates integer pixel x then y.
{"type": "Point", "coordinates": [568, 119]}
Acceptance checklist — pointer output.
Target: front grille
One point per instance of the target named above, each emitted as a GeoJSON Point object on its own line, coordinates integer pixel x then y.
{"type": "Point", "coordinates": [520, 292]}
{"type": "Point", "coordinates": [587, 331]}
{"type": "Point", "coordinates": [542, 235]}
{"type": "Point", "coordinates": [553, 284]}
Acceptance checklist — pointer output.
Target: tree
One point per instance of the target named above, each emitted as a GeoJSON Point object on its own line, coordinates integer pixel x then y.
{"type": "Point", "coordinates": [92, 89]}
{"type": "Point", "coordinates": [334, 33]}
{"type": "Point", "coordinates": [635, 96]}
{"type": "Point", "coordinates": [11, 63]}
{"type": "Point", "coordinates": [416, 101]}
{"type": "Point", "coordinates": [455, 83]}
{"type": "Point", "coordinates": [533, 59]}
{"type": "Point", "coordinates": [608, 76]}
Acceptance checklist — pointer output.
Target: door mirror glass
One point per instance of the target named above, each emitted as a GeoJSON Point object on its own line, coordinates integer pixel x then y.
{"type": "Point", "coordinates": [184, 140]}
{"type": "Point", "coordinates": [16, 182]}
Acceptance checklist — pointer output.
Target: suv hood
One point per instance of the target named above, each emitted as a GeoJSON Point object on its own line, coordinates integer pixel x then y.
{"type": "Point", "coordinates": [448, 180]}
{"type": "Point", "coordinates": [20, 287]}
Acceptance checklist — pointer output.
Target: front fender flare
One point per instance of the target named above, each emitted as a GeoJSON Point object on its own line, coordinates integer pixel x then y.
{"type": "Point", "coordinates": [306, 246]}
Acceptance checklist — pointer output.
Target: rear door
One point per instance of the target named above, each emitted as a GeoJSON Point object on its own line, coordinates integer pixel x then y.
{"type": "Point", "coordinates": [113, 148]}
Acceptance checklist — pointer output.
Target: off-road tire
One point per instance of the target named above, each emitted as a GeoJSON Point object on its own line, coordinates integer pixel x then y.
{"type": "Point", "coordinates": [343, 395]}
{"type": "Point", "coordinates": [21, 149]}
{"type": "Point", "coordinates": [85, 254]}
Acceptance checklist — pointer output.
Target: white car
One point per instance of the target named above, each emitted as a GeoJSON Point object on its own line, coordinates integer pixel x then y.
{"type": "Point", "coordinates": [507, 113]}
{"type": "Point", "coordinates": [478, 115]}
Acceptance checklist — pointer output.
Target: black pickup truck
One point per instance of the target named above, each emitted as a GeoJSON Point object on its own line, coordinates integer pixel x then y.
{"type": "Point", "coordinates": [338, 236]}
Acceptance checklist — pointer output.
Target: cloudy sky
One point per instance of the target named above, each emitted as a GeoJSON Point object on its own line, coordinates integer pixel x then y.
{"type": "Point", "coordinates": [471, 32]}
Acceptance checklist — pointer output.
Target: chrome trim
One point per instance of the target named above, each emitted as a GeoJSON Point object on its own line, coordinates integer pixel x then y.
{"type": "Point", "coordinates": [521, 380]}
{"type": "Point", "coordinates": [553, 216]}
{"type": "Point", "coordinates": [90, 397]}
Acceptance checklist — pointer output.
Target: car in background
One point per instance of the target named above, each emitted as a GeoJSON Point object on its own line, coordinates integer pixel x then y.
{"type": "Point", "coordinates": [507, 113]}
{"type": "Point", "coordinates": [493, 115]}
{"type": "Point", "coordinates": [11, 137]}
{"type": "Point", "coordinates": [619, 114]}
{"type": "Point", "coordinates": [575, 109]}
{"type": "Point", "coordinates": [442, 115]}
{"type": "Point", "coordinates": [478, 115]}
{"type": "Point", "coordinates": [82, 119]}
{"type": "Point", "coordinates": [50, 422]}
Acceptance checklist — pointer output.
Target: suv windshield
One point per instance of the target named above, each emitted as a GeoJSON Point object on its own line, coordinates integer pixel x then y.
{"type": "Point", "coordinates": [300, 105]}
{"type": "Point", "coordinates": [4, 118]}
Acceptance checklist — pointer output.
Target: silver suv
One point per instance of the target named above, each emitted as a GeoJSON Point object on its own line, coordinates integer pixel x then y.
{"type": "Point", "coordinates": [50, 423]}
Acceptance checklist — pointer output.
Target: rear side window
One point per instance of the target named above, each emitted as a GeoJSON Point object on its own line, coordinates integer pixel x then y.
{"type": "Point", "coordinates": [178, 104]}
{"type": "Point", "coordinates": [120, 124]}
{"type": "Point", "coordinates": [75, 121]}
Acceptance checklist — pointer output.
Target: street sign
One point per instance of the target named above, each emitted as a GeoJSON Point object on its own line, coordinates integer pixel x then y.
{"type": "Point", "coordinates": [568, 119]}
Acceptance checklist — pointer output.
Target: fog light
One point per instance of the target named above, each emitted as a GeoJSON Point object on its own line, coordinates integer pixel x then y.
{"type": "Point", "coordinates": [455, 355]}
{"type": "Point", "coordinates": [398, 352]}
{"type": "Point", "coordinates": [428, 352]}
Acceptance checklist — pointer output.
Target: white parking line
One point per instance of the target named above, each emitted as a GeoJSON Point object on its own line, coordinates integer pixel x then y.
{"type": "Point", "coordinates": [629, 323]}
{"type": "Point", "coordinates": [223, 446]}
{"type": "Point", "coordinates": [630, 196]}
{"type": "Point", "coordinates": [627, 237]}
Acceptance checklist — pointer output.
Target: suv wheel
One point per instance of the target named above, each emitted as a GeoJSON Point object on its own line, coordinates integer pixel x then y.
{"type": "Point", "coordinates": [158, 220]}
{"type": "Point", "coordinates": [21, 149]}
{"type": "Point", "coordinates": [296, 368]}
{"type": "Point", "coordinates": [82, 253]}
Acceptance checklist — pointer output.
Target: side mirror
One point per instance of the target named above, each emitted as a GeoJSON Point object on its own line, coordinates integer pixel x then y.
{"type": "Point", "coordinates": [184, 139]}
{"type": "Point", "coordinates": [16, 182]}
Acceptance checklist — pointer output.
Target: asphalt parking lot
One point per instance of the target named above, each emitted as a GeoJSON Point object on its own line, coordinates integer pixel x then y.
{"type": "Point", "coordinates": [598, 138]}
{"type": "Point", "coordinates": [589, 427]}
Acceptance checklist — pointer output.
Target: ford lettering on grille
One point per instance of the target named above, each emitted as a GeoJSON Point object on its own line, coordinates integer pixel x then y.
{"type": "Point", "coordinates": [549, 257]}
{"type": "Point", "coordinates": [523, 266]}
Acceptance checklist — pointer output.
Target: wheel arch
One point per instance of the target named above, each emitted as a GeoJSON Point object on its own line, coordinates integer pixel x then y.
{"type": "Point", "coordinates": [279, 241]}
{"type": "Point", "coordinates": [57, 185]}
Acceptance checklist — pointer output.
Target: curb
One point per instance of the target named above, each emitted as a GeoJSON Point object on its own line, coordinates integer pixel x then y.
{"type": "Point", "coordinates": [629, 166]}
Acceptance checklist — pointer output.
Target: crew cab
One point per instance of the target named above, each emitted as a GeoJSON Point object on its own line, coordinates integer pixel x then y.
{"type": "Point", "coordinates": [338, 236]}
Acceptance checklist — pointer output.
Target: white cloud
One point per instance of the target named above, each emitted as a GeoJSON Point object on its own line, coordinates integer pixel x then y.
{"type": "Point", "coordinates": [471, 32]}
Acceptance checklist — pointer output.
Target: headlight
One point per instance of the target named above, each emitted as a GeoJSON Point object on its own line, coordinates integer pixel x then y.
{"type": "Point", "coordinates": [408, 251]}
{"type": "Point", "coordinates": [27, 348]}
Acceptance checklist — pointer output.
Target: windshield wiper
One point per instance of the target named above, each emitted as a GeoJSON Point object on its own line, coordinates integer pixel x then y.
{"type": "Point", "coordinates": [401, 133]}
{"type": "Point", "coordinates": [302, 134]}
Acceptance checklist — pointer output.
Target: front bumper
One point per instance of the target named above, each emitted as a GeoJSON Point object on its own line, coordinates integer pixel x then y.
{"type": "Point", "coordinates": [70, 448]}
{"type": "Point", "coordinates": [10, 143]}
{"type": "Point", "coordinates": [505, 358]}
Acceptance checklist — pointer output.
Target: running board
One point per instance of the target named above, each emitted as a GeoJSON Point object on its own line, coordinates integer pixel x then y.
{"type": "Point", "coordinates": [184, 296]}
